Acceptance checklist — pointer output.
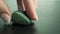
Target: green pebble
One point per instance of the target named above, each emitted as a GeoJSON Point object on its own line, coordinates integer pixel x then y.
{"type": "Point", "coordinates": [20, 17]}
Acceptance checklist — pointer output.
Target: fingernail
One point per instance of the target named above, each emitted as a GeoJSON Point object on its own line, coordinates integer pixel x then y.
{"type": "Point", "coordinates": [36, 18]}
{"type": "Point", "coordinates": [6, 18]}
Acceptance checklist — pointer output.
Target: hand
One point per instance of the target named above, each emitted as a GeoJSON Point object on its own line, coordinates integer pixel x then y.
{"type": "Point", "coordinates": [30, 8]}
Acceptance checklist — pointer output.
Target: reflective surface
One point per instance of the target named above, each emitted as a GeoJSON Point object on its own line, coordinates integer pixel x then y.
{"type": "Point", "coordinates": [30, 29]}
{"type": "Point", "coordinates": [18, 29]}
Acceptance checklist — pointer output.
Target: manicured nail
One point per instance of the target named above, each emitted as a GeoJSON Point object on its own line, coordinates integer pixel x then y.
{"type": "Point", "coordinates": [36, 18]}
{"type": "Point", "coordinates": [6, 18]}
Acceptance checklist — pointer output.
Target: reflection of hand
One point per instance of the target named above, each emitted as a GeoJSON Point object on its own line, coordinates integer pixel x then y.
{"type": "Point", "coordinates": [30, 7]}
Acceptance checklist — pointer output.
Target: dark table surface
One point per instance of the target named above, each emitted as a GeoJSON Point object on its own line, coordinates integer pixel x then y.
{"type": "Point", "coordinates": [30, 29]}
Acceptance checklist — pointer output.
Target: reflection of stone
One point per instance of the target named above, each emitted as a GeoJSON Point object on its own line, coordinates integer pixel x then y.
{"type": "Point", "coordinates": [18, 29]}
{"type": "Point", "coordinates": [23, 29]}
{"type": "Point", "coordinates": [6, 30]}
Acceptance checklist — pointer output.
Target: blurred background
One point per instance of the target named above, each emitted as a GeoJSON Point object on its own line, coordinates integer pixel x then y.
{"type": "Point", "coordinates": [49, 16]}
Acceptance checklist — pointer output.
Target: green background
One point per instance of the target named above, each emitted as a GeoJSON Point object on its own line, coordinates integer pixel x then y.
{"type": "Point", "coordinates": [48, 12]}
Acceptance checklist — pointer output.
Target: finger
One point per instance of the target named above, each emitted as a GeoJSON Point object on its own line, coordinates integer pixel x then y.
{"type": "Point", "coordinates": [20, 6]}
{"type": "Point", "coordinates": [35, 3]}
{"type": "Point", "coordinates": [4, 7]}
{"type": "Point", "coordinates": [6, 18]}
{"type": "Point", "coordinates": [30, 10]}
{"type": "Point", "coordinates": [4, 11]}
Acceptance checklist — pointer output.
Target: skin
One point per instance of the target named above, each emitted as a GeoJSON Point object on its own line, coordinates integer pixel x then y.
{"type": "Point", "coordinates": [35, 3]}
{"type": "Point", "coordinates": [30, 8]}
{"type": "Point", "coordinates": [20, 6]}
{"type": "Point", "coordinates": [4, 10]}
{"type": "Point", "coordinates": [4, 7]}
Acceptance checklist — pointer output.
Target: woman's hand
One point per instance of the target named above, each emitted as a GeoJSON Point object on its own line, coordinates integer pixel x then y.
{"type": "Point", "coordinates": [30, 8]}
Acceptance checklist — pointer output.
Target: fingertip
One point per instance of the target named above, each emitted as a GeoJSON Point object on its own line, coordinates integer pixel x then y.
{"type": "Point", "coordinates": [6, 18]}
